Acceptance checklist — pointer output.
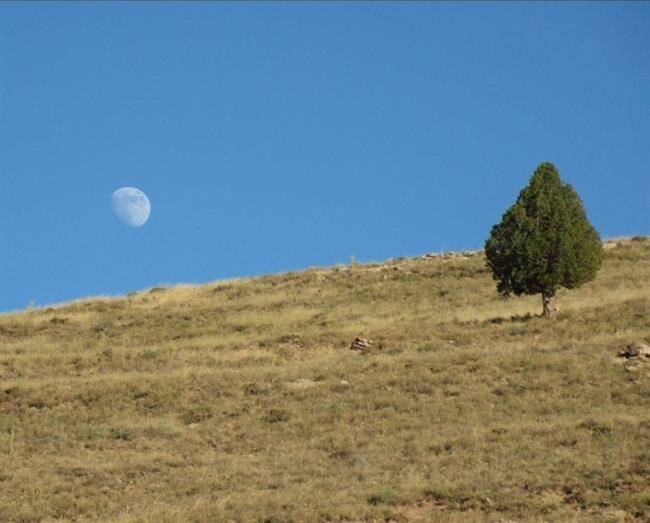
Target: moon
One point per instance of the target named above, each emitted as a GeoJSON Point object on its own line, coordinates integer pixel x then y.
{"type": "Point", "coordinates": [131, 206]}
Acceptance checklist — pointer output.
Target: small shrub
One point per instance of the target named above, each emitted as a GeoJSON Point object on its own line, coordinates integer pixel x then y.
{"type": "Point", "coordinates": [197, 414]}
{"type": "Point", "coordinates": [595, 427]}
{"type": "Point", "coordinates": [428, 347]}
{"type": "Point", "coordinates": [293, 339]}
{"type": "Point", "coordinates": [386, 496]}
{"type": "Point", "coordinates": [122, 433]}
{"type": "Point", "coordinates": [160, 431]}
{"type": "Point", "coordinates": [96, 433]}
{"type": "Point", "coordinates": [252, 389]}
{"type": "Point", "coordinates": [276, 416]}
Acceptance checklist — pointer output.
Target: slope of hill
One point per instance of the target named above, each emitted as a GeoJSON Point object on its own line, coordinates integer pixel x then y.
{"type": "Point", "coordinates": [241, 400]}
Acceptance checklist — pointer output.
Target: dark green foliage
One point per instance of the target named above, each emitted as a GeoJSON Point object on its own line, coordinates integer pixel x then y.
{"type": "Point", "coordinates": [544, 241]}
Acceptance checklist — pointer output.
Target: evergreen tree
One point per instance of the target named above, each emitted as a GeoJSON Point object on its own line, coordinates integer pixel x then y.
{"type": "Point", "coordinates": [544, 241]}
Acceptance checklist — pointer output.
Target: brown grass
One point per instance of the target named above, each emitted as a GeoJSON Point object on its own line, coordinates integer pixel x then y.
{"type": "Point", "coordinates": [240, 401]}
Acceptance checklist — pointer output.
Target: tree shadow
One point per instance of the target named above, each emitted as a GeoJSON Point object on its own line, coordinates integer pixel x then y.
{"type": "Point", "coordinates": [516, 318]}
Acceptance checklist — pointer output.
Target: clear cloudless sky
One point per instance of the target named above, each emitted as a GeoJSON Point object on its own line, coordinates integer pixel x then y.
{"type": "Point", "coordinates": [278, 136]}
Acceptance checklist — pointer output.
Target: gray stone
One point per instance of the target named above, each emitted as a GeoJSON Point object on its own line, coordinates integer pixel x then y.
{"type": "Point", "coordinates": [362, 345]}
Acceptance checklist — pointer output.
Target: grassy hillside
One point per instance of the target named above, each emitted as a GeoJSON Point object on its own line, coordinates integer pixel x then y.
{"type": "Point", "coordinates": [241, 400]}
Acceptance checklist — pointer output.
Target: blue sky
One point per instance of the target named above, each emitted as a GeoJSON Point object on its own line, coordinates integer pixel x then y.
{"type": "Point", "coordinates": [277, 136]}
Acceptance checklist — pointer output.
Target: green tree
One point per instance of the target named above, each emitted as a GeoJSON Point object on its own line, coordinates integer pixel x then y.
{"type": "Point", "coordinates": [544, 241]}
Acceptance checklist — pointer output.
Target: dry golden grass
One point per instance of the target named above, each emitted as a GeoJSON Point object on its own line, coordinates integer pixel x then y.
{"type": "Point", "coordinates": [240, 400]}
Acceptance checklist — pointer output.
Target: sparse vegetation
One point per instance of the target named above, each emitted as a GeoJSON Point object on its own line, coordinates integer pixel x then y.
{"type": "Point", "coordinates": [544, 241]}
{"type": "Point", "coordinates": [241, 400]}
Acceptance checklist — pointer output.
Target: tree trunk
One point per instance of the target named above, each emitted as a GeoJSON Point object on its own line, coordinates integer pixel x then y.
{"type": "Point", "coordinates": [550, 310]}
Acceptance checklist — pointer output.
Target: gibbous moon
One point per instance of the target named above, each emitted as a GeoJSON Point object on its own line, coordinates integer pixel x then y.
{"type": "Point", "coordinates": [131, 206]}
